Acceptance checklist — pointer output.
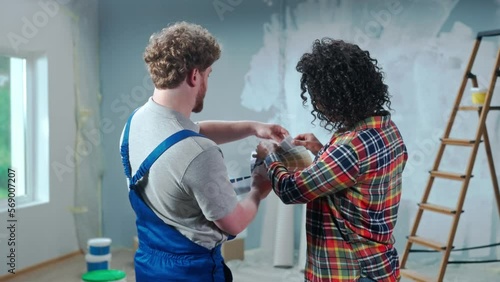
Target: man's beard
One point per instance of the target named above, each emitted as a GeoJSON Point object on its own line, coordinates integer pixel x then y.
{"type": "Point", "coordinates": [199, 99]}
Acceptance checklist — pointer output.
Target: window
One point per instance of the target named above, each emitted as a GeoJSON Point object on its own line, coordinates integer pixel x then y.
{"type": "Point", "coordinates": [4, 124]}
{"type": "Point", "coordinates": [12, 122]}
{"type": "Point", "coordinates": [23, 128]}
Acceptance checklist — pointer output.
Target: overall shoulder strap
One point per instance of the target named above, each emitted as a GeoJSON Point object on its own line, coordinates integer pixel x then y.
{"type": "Point", "coordinates": [159, 150]}
{"type": "Point", "coordinates": [153, 156]}
{"type": "Point", "coordinates": [124, 147]}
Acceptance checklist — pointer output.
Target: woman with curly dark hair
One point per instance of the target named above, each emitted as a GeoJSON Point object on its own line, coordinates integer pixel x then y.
{"type": "Point", "coordinates": [353, 187]}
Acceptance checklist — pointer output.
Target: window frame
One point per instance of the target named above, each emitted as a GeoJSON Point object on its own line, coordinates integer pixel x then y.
{"type": "Point", "coordinates": [36, 131]}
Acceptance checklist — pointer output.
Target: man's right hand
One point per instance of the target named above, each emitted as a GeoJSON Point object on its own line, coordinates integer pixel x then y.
{"type": "Point", "coordinates": [261, 183]}
{"type": "Point", "coordinates": [246, 209]}
{"type": "Point", "coordinates": [309, 141]}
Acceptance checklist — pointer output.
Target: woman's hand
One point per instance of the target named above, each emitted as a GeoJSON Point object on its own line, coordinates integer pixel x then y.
{"type": "Point", "coordinates": [309, 141]}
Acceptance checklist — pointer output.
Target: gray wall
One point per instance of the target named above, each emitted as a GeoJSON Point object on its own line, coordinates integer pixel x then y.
{"type": "Point", "coordinates": [422, 45]}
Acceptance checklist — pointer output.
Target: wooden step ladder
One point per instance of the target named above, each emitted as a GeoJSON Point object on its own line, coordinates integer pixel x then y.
{"type": "Point", "coordinates": [481, 135]}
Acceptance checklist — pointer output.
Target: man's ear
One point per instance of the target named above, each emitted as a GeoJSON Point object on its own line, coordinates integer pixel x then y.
{"type": "Point", "coordinates": [192, 77]}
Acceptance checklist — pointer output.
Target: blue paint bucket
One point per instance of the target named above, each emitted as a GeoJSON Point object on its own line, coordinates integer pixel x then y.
{"type": "Point", "coordinates": [97, 262]}
{"type": "Point", "coordinates": [99, 246]}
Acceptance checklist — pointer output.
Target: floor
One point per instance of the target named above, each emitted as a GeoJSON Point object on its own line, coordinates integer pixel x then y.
{"type": "Point", "coordinates": [257, 266]}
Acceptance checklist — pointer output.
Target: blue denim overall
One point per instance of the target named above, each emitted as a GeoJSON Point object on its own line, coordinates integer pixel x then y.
{"type": "Point", "coordinates": [165, 254]}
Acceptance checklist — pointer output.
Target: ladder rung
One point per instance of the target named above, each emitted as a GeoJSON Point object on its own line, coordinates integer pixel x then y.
{"type": "Point", "coordinates": [427, 242]}
{"type": "Point", "coordinates": [415, 276]}
{"type": "Point", "coordinates": [448, 175]}
{"type": "Point", "coordinates": [469, 108]}
{"type": "Point", "coordinates": [458, 142]}
{"type": "Point", "coordinates": [477, 108]}
{"type": "Point", "coordinates": [436, 208]}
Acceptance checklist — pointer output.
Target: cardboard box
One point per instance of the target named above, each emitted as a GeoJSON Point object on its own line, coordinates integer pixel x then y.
{"type": "Point", "coordinates": [233, 249]}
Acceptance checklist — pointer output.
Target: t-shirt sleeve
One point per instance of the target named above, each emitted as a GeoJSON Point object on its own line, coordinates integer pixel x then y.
{"type": "Point", "coordinates": [207, 180]}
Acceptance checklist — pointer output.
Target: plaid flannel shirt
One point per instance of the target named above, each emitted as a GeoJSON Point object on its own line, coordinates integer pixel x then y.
{"type": "Point", "coordinates": [352, 191]}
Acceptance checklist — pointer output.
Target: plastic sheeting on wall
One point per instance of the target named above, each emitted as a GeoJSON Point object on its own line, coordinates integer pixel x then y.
{"type": "Point", "coordinates": [88, 163]}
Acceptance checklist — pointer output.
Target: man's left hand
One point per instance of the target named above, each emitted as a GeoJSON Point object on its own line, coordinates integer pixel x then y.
{"type": "Point", "coordinates": [271, 131]}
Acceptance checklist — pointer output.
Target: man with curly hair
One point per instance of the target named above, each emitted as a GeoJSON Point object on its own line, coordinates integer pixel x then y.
{"type": "Point", "coordinates": [353, 187]}
{"type": "Point", "coordinates": [185, 205]}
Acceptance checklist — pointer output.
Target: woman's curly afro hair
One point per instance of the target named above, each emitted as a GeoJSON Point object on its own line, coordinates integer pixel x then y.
{"type": "Point", "coordinates": [344, 83]}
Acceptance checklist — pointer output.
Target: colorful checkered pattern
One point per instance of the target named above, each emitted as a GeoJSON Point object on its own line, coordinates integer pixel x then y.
{"type": "Point", "coordinates": [352, 191]}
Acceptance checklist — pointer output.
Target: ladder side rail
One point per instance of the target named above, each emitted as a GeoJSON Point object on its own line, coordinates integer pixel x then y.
{"type": "Point", "coordinates": [460, 94]}
{"type": "Point", "coordinates": [470, 167]}
{"type": "Point", "coordinates": [491, 165]}
{"type": "Point", "coordinates": [440, 152]}
{"type": "Point", "coordinates": [487, 144]}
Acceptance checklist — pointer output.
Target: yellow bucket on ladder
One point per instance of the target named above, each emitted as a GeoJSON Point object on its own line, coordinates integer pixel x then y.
{"type": "Point", "coordinates": [478, 95]}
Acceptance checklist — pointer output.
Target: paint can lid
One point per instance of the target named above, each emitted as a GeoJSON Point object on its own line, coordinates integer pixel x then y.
{"type": "Point", "coordinates": [478, 89]}
{"type": "Point", "coordinates": [103, 275]}
{"type": "Point", "coordinates": [99, 242]}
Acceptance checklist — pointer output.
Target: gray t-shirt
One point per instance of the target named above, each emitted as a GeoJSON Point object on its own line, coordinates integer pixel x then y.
{"type": "Point", "coordinates": [188, 186]}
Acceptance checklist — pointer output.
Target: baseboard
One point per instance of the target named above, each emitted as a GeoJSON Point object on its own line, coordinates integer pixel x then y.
{"type": "Point", "coordinates": [35, 267]}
